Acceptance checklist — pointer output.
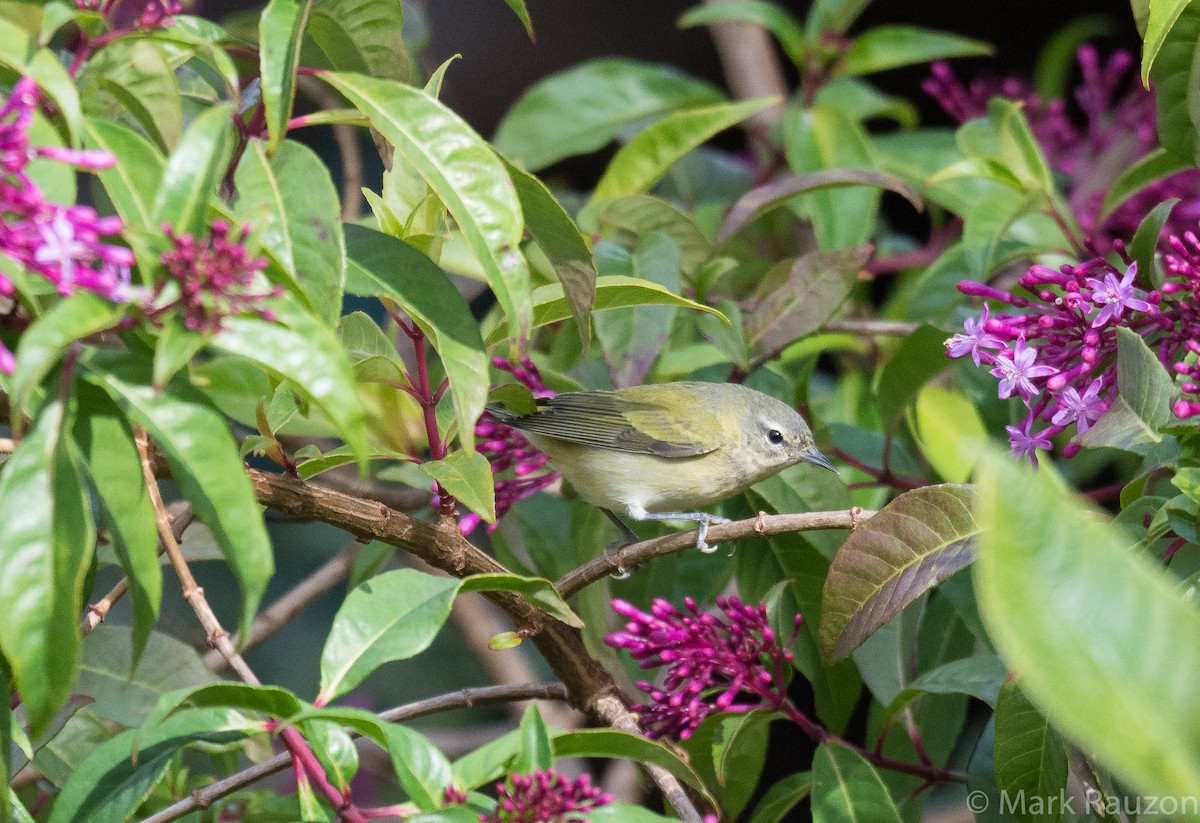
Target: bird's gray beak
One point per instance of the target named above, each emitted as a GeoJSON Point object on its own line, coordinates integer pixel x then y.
{"type": "Point", "coordinates": [811, 455]}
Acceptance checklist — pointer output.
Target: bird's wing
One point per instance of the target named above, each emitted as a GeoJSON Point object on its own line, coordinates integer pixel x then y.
{"type": "Point", "coordinates": [605, 420]}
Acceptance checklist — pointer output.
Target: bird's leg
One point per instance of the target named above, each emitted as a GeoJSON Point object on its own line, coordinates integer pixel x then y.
{"type": "Point", "coordinates": [628, 538]}
{"type": "Point", "coordinates": [704, 519]}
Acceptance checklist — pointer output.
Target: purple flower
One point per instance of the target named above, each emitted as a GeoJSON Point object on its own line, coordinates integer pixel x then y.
{"type": "Point", "coordinates": [1115, 296]}
{"type": "Point", "coordinates": [1017, 368]}
{"type": "Point", "coordinates": [1024, 443]}
{"type": "Point", "coordinates": [974, 337]}
{"type": "Point", "coordinates": [545, 796]}
{"type": "Point", "coordinates": [710, 662]}
{"type": "Point", "coordinates": [508, 450]}
{"type": "Point", "coordinates": [1080, 409]}
{"type": "Point", "coordinates": [208, 280]}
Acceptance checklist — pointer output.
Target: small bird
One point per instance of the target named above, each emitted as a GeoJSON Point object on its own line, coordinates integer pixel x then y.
{"type": "Point", "coordinates": [660, 452]}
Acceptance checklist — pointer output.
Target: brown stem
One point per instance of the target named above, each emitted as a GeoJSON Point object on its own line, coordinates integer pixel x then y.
{"type": "Point", "coordinates": [752, 69]}
{"type": "Point", "coordinates": [764, 525]}
{"type": "Point", "coordinates": [870, 328]}
{"type": "Point", "coordinates": [205, 797]}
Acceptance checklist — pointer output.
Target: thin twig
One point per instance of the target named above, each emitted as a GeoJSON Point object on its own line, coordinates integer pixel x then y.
{"type": "Point", "coordinates": [751, 68]}
{"type": "Point", "coordinates": [764, 525]}
{"type": "Point", "coordinates": [487, 695]}
{"type": "Point", "coordinates": [295, 601]}
{"type": "Point", "coordinates": [870, 328]}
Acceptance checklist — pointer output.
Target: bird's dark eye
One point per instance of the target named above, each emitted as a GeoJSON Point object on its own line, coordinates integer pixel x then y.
{"type": "Point", "coordinates": [775, 436]}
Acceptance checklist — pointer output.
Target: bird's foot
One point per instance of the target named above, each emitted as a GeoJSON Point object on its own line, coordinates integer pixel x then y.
{"type": "Point", "coordinates": [611, 552]}
{"type": "Point", "coordinates": [702, 533]}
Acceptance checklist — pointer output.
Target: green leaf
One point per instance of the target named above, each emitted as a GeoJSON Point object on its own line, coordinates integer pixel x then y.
{"type": "Point", "coordinates": [612, 292]}
{"type": "Point", "coordinates": [816, 286]}
{"type": "Point", "coordinates": [918, 359]}
{"type": "Point", "coordinates": [114, 471]}
{"type": "Point", "coordinates": [465, 173]}
{"type": "Point", "coordinates": [302, 350]}
{"type": "Point", "coordinates": [131, 184]}
{"type": "Point", "coordinates": [19, 51]}
{"type": "Point", "coordinates": [537, 590]}
{"type": "Point", "coordinates": [584, 108]}
{"type": "Point", "coordinates": [467, 476]}
{"type": "Point", "coordinates": [422, 769]}
{"type": "Point", "coordinates": [518, 7]}
{"type": "Point", "coordinates": [620, 745]}
{"type": "Point", "coordinates": [918, 540]}
{"type": "Point", "coordinates": [272, 701]}
{"type": "Point", "coordinates": [759, 200]}
{"type": "Point", "coordinates": [633, 340]}
{"type": "Point", "coordinates": [290, 200]}
{"type": "Point", "coordinates": [888, 47]}
{"type": "Point", "coordinates": [136, 74]}
{"type": "Point", "coordinates": [775, 19]}
{"type": "Point", "coordinates": [535, 751]}
{"type": "Point", "coordinates": [1020, 153]}
{"type": "Point", "coordinates": [640, 214]}
{"type": "Point", "coordinates": [109, 786]}
{"type": "Point", "coordinates": [980, 676]}
{"type": "Point", "coordinates": [1175, 73]}
{"type": "Point", "coordinates": [204, 463]}
{"type": "Point", "coordinates": [847, 789]}
{"type": "Point", "coordinates": [1156, 165]}
{"type": "Point", "coordinates": [739, 752]}
{"type": "Point", "coordinates": [45, 342]}
{"type": "Point", "coordinates": [782, 797]}
{"type": "Point", "coordinates": [392, 616]}
{"type": "Point", "coordinates": [1143, 404]}
{"type": "Point", "coordinates": [280, 29]}
{"type": "Point", "coordinates": [1085, 621]}
{"type": "Point", "coordinates": [1029, 756]}
{"type": "Point", "coordinates": [175, 347]}
{"type": "Point", "coordinates": [837, 15]}
{"type": "Point", "coordinates": [1145, 241]}
{"type": "Point", "coordinates": [46, 552]}
{"type": "Point", "coordinates": [1161, 18]}
{"type": "Point", "coordinates": [558, 236]}
{"type": "Point", "coordinates": [193, 172]}
{"type": "Point", "coordinates": [642, 162]}
{"type": "Point", "coordinates": [364, 36]}
{"type": "Point", "coordinates": [387, 267]}
{"type": "Point", "coordinates": [949, 432]}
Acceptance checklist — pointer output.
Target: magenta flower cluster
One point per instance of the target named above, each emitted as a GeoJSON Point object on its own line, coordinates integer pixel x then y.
{"type": "Point", "coordinates": [153, 14]}
{"type": "Point", "coordinates": [65, 244]}
{"type": "Point", "coordinates": [1056, 348]}
{"type": "Point", "coordinates": [209, 279]}
{"type": "Point", "coordinates": [545, 796]}
{"type": "Point", "coordinates": [728, 663]}
{"type": "Point", "coordinates": [1118, 128]}
{"type": "Point", "coordinates": [507, 449]}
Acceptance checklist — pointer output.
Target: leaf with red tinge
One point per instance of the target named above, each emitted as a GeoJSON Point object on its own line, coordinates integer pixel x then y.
{"type": "Point", "coordinates": [920, 539]}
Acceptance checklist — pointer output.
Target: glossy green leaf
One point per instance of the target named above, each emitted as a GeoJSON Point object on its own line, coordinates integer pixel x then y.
{"type": "Point", "coordinates": [762, 199]}
{"type": "Point", "coordinates": [1156, 165]}
{"type": "Point", "coordinates": [272, 701]}
{"type": "Point", "coordinates": [1143, 404]}
{"type": "Point", "coordinates": [335, 749]}
{"type": "Point", "coordinates": [467, 476]}
{"type": "Point", "coordinates": [837, 15]}
{"type": "Point", "coordinates": [46, 552]}
{"type": "Point", "coordinates": [1176, 91]}
{"type": "Point", "coordinates": [1161, 18]}
{"type": "Point", "coordinates": [280, 29]}
{"type": "Point", "coordinates": [174, 349]}
{"type": "Point", "coordinates": [1020, 152]}
{"type": "Point", "coordinates": [110, 786]}
{"type": "Point", "coordinates": [364, 36]}
{"type": "Point", "coordinates": [739, 751]}
{"type": "Point", "coordinates": [465, 173]}
{"type": "Point", "coordinates": [519, 9]}
{"type": "Point", "coordinates": [584, 108]}
{"type": "Point", "coordinates": [632, 340]}
{"type": "Point", "coordinates": [1085, 621]}
{"type": "Point", "coordinates": [612, 292]}
{"type": "Point", "coordinates": [782, 797]}
{"type": "Point", "coordinates": [136, 74]}
{"type": "Point", "coordinates": [949, 432]}
{"type": "Point", "coordinates": [816, 286]}
{"type": "Point", "coordinates": [618, 812]}
{"type": "Point", "coordinates": [193, 172]}
{"type": "Point", "coordinates": [918, 359]}
{"type": "Point", "coordinates": [558, 236]}
{"type": "Point", "coordinates": [421, 767]}
{"type": "Point", "coordinates": [535, 750]}
{"type": "Point", "coordinates": [610, 743]}
{"type": "Point", "coordinates": [536, 590]}
{"type": "Point", "coordinates": [1145, 242]}
{"type": "Point", "coordinates": [306, 352]}
{"type": "Point", "coordinates": [204, 463]}
{"type": "Point", "coordinates": [643, 161]}
{"type": "Point", "coordinates": [637, 215]}
{"type": "Point", "coordinates": [132, 183]}
{"type": "Point", "coordinates": [1029, 755]}
{"type": "Point", "coordinates": [387, 267]}
{"type": "Point", "coordinates": [114, 472]}
{"type": "Point", "coordinates": [19, 51]}
{"type": "Point", "coordinates": [919, 539]}
{"type": "Point", "coordinates": [392, 616]}
{"type": "Point", "coordinates": [372, 354]}
{"type": "Point", "coordinates": [847, 789]}
{"type": "Point", "coordinates": [770, 16]}
{"type": "Point", "coordinates": [46, 342]}
{"type": "Point", "coordinates": [980, 676]}
{"type": "Point", "coordinates": [889, 47]}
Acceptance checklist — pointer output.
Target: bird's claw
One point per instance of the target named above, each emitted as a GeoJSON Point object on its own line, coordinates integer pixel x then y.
{"type": "Point", "coordinates": [702, 533]}
{"type": "Point", "coordinates": [610, 554]}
